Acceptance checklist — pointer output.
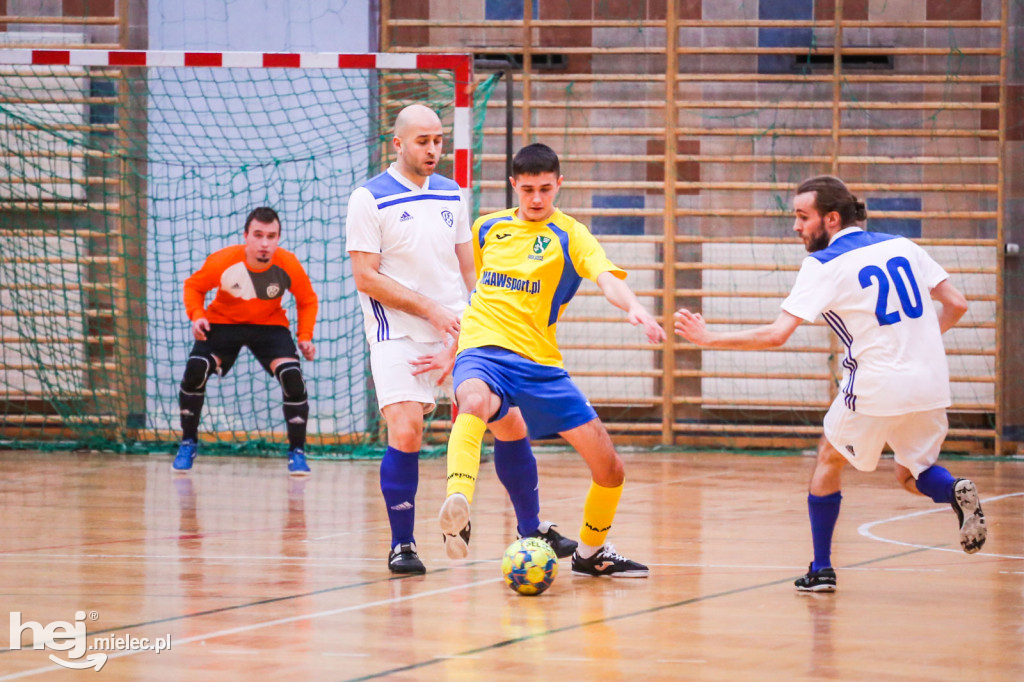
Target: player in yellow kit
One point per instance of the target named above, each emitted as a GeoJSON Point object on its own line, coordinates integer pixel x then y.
{"type": "Point", "coordinates": [529, 262]}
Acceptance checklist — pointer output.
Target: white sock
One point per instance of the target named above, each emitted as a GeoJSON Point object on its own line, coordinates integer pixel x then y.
{"type": "Point", "coordinates": [586, 551]}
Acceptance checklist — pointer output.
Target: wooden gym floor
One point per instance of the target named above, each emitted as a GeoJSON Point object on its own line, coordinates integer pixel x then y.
{"type": "Point", "coordinates": [251, 573]}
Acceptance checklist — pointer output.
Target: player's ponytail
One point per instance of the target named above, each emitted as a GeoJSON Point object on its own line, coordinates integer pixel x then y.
{"type": "Point", "coordinates": [830, 194]}
{"type": "Point", "coordinates": [860, 211]}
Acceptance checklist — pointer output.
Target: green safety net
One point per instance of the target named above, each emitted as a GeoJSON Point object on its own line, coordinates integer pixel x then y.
{"type": "Point", "coordinates": [118, 183]}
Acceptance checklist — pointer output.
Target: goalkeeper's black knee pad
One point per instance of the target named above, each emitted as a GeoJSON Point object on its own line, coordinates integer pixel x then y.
{"type": "Point", "coordinates": [197, 370]}
{"type": "Point", "coordinates": [289, 375]}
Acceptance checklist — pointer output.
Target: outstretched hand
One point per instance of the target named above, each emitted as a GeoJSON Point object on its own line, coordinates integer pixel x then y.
{"type": "Point", "coordinates": [639, 316]}
{"type": "Point", "coordinates": [443, 361]}
{"type": "Point", "coordinates": [691, 326]}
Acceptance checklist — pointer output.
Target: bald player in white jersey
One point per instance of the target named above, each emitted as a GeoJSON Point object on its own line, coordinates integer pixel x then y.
{"type": "Point", "coordinates": [408, 235]}
{"type": "Point", "coordinates": [872, 289]}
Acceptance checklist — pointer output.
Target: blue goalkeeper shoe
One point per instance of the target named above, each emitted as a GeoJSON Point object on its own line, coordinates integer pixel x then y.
{"type": "Point", "coordinates": [186, 455]}
{"type": "Point", "coordinates": [297, 463]}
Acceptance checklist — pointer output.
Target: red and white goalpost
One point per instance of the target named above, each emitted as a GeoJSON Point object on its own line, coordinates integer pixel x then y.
{"type": "Point", "coordinates": [460, 65]}
{"type": "Point", "coordinates": [123, 169]}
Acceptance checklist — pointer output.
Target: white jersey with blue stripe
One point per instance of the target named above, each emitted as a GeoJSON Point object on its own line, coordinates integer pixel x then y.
{"type": "Point", "coordinates": [415, 230]}
{"type": "Point", "coordinates": [873, 290]}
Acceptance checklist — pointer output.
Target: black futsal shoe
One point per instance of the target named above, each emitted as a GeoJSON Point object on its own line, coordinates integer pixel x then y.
{"type": "Point", "coordinates": [822, 580]}
{"type": "Point", "coordinates": [403, 559]}
{"type": "Point", "coordinates": [562, 545]}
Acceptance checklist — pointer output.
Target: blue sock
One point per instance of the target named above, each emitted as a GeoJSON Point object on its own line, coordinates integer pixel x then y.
{"type": "Point", "coordinates": [937, 483]}
{"type": "Point", "coordinates": [824, 511]}
{"type": "Point", "coordinates": [399, 478]}
{"type": "Point", "coordinates": [517, 470]}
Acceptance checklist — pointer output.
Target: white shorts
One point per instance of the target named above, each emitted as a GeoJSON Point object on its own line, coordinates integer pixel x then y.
{"type": "Point", "coordinates": [391, 364]}
{"type": "Point", "coordinates": [915, 438]}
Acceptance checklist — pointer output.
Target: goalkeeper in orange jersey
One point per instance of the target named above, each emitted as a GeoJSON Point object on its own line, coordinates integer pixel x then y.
{"type": "Point", "coordinates": [530, 261]}
{"type": "Point", "coordinates": [250, 279]}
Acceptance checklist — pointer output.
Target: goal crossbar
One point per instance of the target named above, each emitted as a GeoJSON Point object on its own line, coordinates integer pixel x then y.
{"type": "Point", "coordinates": [461, 65]}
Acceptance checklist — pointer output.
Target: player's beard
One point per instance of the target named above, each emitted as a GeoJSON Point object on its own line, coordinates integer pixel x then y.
{"type": "Point", "coordinates": [818, 242]}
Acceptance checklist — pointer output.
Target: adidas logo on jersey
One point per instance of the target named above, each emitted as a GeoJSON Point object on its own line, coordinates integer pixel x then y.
{"type": "Point", "coordinates": [405, 216]}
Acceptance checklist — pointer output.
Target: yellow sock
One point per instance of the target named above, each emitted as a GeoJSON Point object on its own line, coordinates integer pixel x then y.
{"type": "Point", "coordinates": [598, 513]}
{"type": "Point", "coordinates": [464, 445]}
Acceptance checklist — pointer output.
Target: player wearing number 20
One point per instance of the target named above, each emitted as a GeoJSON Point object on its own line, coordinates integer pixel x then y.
{"type": "Point", "coordinates": [872, 290]}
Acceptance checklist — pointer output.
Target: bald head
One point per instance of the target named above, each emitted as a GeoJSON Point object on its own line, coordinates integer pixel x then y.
{"type": "Point", "coordinates": [418, 140]}
{"type": "Point", "coordinates": [416, 117]}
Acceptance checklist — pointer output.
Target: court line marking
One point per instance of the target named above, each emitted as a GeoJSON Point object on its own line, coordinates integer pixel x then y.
{"type": "Point", "coordinates": [341, 561]}
{"type": "Point", "coordinates": [261, 602]}
{"type": "Point", "coordinates": [607, 619]}
{"type": "Point", "coordinates": [278, 621]}
{"type": "Point", "coordinates": [865, 530]}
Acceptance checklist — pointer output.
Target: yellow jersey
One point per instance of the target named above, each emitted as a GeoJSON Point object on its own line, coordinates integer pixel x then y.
{"type": "Point", "coordinates": [527, 272]}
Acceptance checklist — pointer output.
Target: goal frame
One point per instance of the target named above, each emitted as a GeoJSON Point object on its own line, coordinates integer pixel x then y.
{"type": "Point", "coordinates": [121, 422]}
{"type": "Point", "coordinates": [460, 64]}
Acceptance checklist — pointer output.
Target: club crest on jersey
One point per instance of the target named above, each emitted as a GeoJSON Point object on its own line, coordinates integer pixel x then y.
{"type": "Point", "coordinates": [273, 290]}
{"type": "Point", "coordinates": [449, 219]}
{"type": "Point", "coordinates": [539, 245]}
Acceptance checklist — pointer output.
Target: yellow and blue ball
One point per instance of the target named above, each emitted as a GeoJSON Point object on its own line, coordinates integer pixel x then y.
{"type": "Point", "coordinates": [529, 566]}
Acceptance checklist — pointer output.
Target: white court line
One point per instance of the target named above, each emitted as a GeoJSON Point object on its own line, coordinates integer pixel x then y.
{"type": "Point", "coordinates": [865, 530]}
{"type": "Point", "coordinates": [271, 623]}
{"type": "Point", "coordinates": [558, 500]}
{"type": "Point", "coordinates": [350, 531]}
{"type": "Point", "coordinates": [639, 486]}
{"type": "Point", "coordinates": [326, 560]}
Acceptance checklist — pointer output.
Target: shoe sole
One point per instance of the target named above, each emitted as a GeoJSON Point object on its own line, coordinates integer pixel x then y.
{"type": "Point", "coordinates": [183, 470]}
{"type": "Point", "coordinates": [299, 473]}
{"type": "Point", "coordinates": [620, 574]}
{"type": "Point", "coordinates": [973, 531]}
{"type": "Point", "coordinates": [406, 571]}
{"type": "Point", "coordinates": [453, 518]}
{"type": "Point", "coordinates": [817, 588]}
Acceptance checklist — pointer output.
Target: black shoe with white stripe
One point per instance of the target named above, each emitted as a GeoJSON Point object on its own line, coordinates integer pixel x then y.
{"type": "Point", "coordinates": [607, 562]}
{"type": "Point", "coordinates": [403, 559]}
{"type": "Point", "coordinates": [822, 580]}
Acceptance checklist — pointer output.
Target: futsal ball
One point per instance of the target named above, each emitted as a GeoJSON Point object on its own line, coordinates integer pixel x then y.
{"type": "Point", "coordinates": [529, 566]}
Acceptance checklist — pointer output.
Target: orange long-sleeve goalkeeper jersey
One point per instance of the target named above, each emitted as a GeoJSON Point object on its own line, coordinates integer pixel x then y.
{"type": "Point", "coordinates": [247, 296]}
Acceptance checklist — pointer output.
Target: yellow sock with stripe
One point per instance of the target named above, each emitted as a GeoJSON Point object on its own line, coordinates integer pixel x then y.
{"type": "Point", "coordinates": [464, 454]}
{"type": "Point", "coordinates": [598, 513]}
